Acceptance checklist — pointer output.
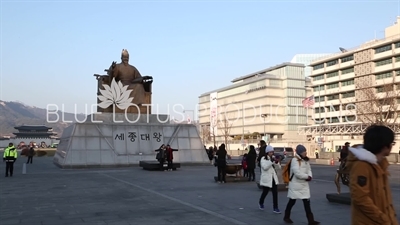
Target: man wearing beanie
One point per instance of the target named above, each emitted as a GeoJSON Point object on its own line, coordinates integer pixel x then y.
{"type": "Point", "coordinates": [300, 175]}
{"type": "Point", "coordinates": [269, 178]}
{"type": "Point", "coordinates": [371, 197]}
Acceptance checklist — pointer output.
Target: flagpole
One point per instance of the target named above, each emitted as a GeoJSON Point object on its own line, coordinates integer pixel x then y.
{"type": "Point", "coordinates": [307, 115]}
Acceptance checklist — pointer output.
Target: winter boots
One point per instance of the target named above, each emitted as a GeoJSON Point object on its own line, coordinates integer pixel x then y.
{"type": "Point", "coordinates": [286, 218]}
{"type": "Point", "coordinates": [311, 221]}
{"type": "Point", "coordinates": [310, 218]}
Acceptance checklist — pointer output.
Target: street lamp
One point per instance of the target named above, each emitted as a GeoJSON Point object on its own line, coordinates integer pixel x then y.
{"type": "Point", "coordinates": [264, 116]}
{"type": "Point", "coordinates": [319, 110]}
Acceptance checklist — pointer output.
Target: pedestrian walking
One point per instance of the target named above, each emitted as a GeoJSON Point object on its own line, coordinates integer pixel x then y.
{"type": "Point", "coordinates": [269, 178]}
{"type": "Point", "coordinates": [300, 175]}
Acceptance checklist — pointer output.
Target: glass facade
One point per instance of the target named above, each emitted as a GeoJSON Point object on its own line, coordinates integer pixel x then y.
{"type": "Point", "coordinates": [306, 59]}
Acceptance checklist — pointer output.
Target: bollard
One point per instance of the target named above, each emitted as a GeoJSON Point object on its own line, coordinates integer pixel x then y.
{"type": "Point", "coordinates": [24, 168]}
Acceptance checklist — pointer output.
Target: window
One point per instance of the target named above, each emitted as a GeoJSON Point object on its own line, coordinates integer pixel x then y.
{"type": "Point", "coordinates": [349, 118]}
{"type": "Point", "coordinates": [397, 45]}
{"type": "Point", "coordinates": [397, 72]}
{"type": "Point", "coordinates": [333, 120]}
{"type": "Point", "coordinates": [348, 94]}
{"type": "Point", "coordinates": [319, 77]}
{"type": "Point", "coordinates": [333, 74]}
{"type": "Point", "coordinates": [383, 49]}
{"type": "Point", "coordinates": [317, 98]}
{"type": "Point", "coordinates": [318, 88]}
{"type": "Point", "coordinates": [347, 58]}
{"type": "Point", "coordinates": [331, 63]}
{"type": "Point", "coordinates": [384, 89]}
{"type": "Point", "coordinates": [317, 110]}
{"type": "Point", "coordinates": [333, 97]}
{"type": "Point", "coordinates": [397, 58]}
{"type": "Point", "coordinates": [319, 66]}
{"type": "Point", "coordinates": [383, 62]}
{"type": "Point", "coordinates": [347, 82]}
{"type": "Point", "coordinates": [334, 85]}
{"type": "Point", "coordinates": [349, 70]}
{"type": "Point", "coordinates": [333, 108]}
{"type": "Point", "coordinates": [379, 89]}
{"type": "Point", "coordinates": [383, 75]}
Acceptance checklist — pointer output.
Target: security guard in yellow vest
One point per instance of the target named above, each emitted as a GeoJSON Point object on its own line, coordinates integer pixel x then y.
{"type": "Point", "coordinates": [10, 156]}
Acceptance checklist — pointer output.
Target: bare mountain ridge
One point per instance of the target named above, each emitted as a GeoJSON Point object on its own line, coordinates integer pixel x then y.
{"type": "Point", "coordinates": [15, 113]}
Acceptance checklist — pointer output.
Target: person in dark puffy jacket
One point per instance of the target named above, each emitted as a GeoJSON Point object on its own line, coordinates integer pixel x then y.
{"type": "Point", "coordinates": [251, 163]}
{"type": "Point", "coordinates": [221, 163]}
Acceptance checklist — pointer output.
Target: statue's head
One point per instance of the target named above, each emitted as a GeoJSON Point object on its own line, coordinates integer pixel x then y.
{"type": "Point", "coordinates": [125, 56]}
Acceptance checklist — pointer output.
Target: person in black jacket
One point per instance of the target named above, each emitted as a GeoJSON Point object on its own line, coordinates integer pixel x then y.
{"type": "Point", "coordinates": [31, 152]}
{"type": "Point", "coordinates": [161, 156]}
{"type": "Point", "coordinates": [261, 152]}
{"type": "Point", "coordinates": [251, 163]}
{"type": "Point", "coordinates": [344, 151]}
{"type": "Point", "coordinates": [221, 163]}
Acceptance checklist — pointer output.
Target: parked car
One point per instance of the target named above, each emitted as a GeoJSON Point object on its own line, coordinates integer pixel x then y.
{"type": "Point", "coordinates": [284, 152]}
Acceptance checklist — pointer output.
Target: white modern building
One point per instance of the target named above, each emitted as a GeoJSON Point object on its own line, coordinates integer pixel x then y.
{"type": "Point", "coordinates": [352, 87]}
{"type": "Point", "coordinates": [267, 102]}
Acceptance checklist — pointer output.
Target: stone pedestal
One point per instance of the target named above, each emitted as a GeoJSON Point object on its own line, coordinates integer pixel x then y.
{"type": "Point", "coordinates": [343, 198]}
{"type": "Point", "coordinates": [113, 140]}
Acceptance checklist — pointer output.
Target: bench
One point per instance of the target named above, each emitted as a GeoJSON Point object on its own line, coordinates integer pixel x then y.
{"type": "Point", "coordinates": [155, 165]}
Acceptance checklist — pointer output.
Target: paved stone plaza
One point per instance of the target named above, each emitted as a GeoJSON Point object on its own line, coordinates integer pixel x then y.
{"type": "Point", "coordinates": [49, 195]}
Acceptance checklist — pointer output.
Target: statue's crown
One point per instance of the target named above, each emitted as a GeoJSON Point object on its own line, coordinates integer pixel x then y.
{"type": "Point", "coordinates": [125, 52]}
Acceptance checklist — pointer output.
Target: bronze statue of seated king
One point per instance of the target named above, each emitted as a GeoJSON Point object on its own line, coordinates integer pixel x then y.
{"type": "Point", "coordinates": [124, 89]}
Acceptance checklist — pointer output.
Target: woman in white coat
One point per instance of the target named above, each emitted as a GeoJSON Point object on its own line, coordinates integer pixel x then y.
{"type": "Point", "coordinates": [300, 175]}
{"type": "Point", "coordinates": [269, 178]}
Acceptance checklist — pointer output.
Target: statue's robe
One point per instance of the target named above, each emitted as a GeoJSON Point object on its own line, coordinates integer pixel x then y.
{"type": "Point", "coordinates": [126, 74]}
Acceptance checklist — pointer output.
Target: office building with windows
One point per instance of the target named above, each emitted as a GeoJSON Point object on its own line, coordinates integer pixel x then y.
{"type": "Point", "coordinates": [268, 102]}
{"type": "Point", "coordinates": [345, 85]}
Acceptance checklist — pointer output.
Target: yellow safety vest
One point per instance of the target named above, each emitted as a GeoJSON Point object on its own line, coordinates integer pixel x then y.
{"type": "Point", "coordinates": [10, 152]}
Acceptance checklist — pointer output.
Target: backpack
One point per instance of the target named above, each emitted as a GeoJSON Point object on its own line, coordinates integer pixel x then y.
{"type": "Point", "coordinates": [286, 172]}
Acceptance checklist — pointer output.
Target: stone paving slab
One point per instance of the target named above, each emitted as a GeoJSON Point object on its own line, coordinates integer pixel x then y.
{"type": "Point", "coordinates": [49, 195]}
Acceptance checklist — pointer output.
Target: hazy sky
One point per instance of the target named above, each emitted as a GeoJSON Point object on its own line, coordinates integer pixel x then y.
{"type": "Point", "coordinates": [51, 49]}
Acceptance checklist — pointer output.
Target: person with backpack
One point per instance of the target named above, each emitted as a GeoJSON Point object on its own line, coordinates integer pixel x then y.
{"type": "Point", "coordinates": [298, 173]}
{"type": "Point", "coordinates": [269, 178]}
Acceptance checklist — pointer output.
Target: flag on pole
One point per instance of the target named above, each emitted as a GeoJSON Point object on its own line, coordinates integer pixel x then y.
{"type": "Point", "coordinates": [308, 102]}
